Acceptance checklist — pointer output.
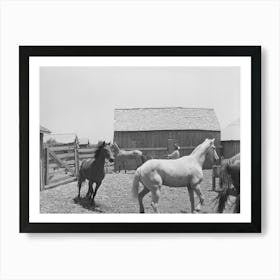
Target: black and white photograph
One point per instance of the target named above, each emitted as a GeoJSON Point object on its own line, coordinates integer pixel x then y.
{"type": "Point", "coordinates": [127, 135]}
{"type": "Point", "coordinates": [113, 138]}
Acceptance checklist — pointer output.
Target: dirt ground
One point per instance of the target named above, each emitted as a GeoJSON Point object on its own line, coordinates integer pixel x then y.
{"type": "Point", "coordinates": [114, 196]}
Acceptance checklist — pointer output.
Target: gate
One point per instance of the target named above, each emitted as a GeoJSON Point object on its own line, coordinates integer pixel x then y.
{"type": "Point", "coordinates": [60, 166]}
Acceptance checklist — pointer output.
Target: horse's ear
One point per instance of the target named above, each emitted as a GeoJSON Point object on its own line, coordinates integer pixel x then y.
{"type": "Point", "coordinates": [109, 143]}
{"type": "Point", "coordinates": [104, 143]}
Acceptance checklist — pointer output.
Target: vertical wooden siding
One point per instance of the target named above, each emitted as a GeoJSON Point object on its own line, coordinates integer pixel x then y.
{"type": "Point", "coordinates": [159, 139]}
{"type": "Point", "coordinates": [230, 148]}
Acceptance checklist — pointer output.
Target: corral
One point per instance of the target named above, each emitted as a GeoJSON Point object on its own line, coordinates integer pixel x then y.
{"type": "Point", "coordinates": [154, 131]}
{"type": "Point", "coordinates": [114, 196]}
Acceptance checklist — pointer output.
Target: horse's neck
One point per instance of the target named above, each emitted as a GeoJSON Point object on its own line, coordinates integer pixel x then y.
{"type": "Point", "coordinates": [200, 153]}
{"type": "Point", "coordinates": [100, 161]}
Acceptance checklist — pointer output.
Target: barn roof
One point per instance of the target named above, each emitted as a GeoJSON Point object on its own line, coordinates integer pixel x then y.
{"type": "Point", "coordinates": [172, 118]}
{"type": "Point", "coordinates": [231, 132]}
{"type": "Point", "coordinates": [44, 130]}
{"type": "Point", "coordinates": [61, 139]}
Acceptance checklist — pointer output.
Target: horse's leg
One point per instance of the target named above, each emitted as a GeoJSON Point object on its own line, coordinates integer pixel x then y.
{"type": "Point", "coordinates": [95, 191]}
{"type": "Point", "coordinates": [140, 199]}
{"type": "Point", "coordinates": [191, 194]}
{"type": "Point", "coordinates": [80, 181]}
{"type": "Point", "coordinates": [200, 195]}
{"type": "Point", "coordinates": [124, 167]}
{"type": "Point", "coordinates": [90, 190]}
{"type": "Point", "coordinates": [155, 198]}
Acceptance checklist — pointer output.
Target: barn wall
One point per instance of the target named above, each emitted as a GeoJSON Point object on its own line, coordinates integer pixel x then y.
{"type": "Point", "coordinates": [186, 139]}
{"type": "Point", "coordinates": [230, 148]}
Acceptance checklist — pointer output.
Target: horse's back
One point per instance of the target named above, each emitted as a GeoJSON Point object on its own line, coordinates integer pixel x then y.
{"type": "Point", "coordinates": [178, 172]}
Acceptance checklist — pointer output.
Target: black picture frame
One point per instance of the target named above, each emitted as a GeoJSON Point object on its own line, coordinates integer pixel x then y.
{"type": "Point", "coordinates": [25, 52]}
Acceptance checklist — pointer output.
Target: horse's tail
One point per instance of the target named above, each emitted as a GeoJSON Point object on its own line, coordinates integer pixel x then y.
{"type": "Point", "coordinates": [222, 199]}
{"type": "Point", "coordinates": [135, 184]}
{"type": "Point", "coordinates": [237, 204]}
{"type": "Point", "coordinates": [225, 183]}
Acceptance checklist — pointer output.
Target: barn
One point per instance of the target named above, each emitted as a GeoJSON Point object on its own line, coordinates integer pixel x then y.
{"type": "Point", "coordinates": [65, 139]}
{"type": "Point", "coordinates": [43, 131]}
{"type": "Point", "coordinates": [84, 142]}
{"type": "Point", "coordinates": [231, 139]}
{"type": "Point", "coordinates": [154, 131]}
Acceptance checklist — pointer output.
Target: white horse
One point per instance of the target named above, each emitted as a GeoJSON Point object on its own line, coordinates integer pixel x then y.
{"type": "Point", "coordinates": [122, 156]}
{"type": "Point", "coordinates": [183, 172]}
{"type": "Point", "coordinates": [175, 154]}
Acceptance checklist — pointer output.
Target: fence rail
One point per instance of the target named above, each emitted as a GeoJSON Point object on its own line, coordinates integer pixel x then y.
{"type": "Point", "coordinates": [60, 165]}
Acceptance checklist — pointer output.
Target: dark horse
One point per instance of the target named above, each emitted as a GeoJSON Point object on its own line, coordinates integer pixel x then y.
{"type": "Point", "coordinates": [93, 169]}
{"type": "Point", "coordinates": [229, 175]}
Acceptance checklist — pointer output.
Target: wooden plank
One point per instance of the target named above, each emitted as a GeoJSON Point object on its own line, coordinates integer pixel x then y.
{"type": "Point", "coordinates": [86, 156]}
{"type": "Point", "coordinates": [41, 175]}
{"type": "Point", "coordinates": [62, 148]}
{"type": "Point", "coordinates": [77, 164]}
{"type": "Point", "coordinates": [57, 165]}
{"type": "Point", "coordinates": [62, 182]}
{"type": "Point", "coordinates": [46, 166]}
{"type": "Point", "coordinates": [66, 155]}
{"type": "Point", "coordinates": [147, 149]}
{"type": "Point", "coordinates": [87, 150]}
{"type": "Point", "coordinates": [60, 179]}
{"type": "Point", "coordinates": [59, 161]}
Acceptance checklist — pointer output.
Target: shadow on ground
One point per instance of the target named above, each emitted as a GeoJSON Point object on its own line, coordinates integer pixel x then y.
{"type": "Point", "coordinates": [86, 203]}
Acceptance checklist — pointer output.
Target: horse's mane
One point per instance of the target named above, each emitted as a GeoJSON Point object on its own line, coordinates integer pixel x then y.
{"type": "Point", "coordinates": [198, 147]}
{"type": "Point", "coordinates": [97, 152]}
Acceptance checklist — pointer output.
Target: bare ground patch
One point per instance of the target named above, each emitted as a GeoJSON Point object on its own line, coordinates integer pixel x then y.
{"type": "Point", "coordinates": [114, 196]}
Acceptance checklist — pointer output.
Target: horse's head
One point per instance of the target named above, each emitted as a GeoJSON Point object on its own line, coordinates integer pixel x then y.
{"type": "Point", "coordinates": [212, 149]}
{"type": "Point", "coordinates": [104, 149]}
{"type": "Point", "coordinates": [115, 148]}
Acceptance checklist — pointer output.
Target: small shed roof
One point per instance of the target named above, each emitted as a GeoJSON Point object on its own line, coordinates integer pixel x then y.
{"type": "Point", "coordinates": [61, 139]}
{"type": "Point", "coordinates": [83, 141]}
{"type": "Point", "coordinates": [171, 118]}
{"type": "Point", "coordinates": [44, 130]}
{"type": "Point", "coordinates": [231, 132]}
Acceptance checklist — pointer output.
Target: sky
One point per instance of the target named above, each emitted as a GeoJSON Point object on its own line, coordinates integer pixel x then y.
{"type": "Point", "coordinates": [82, 100]}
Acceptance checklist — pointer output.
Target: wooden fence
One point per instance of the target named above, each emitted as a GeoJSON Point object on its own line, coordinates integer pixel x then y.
{"type": "Point", "coordinates": [60, 165]}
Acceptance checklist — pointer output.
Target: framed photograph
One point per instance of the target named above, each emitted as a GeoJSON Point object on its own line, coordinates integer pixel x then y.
{"type": "Point", "coordinates": [140, 138]}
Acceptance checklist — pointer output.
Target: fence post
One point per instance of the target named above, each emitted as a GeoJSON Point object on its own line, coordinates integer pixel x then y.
{"type": "Point", "coordinates": [77, 165]}
{"type": "Point", "coordinates": [42, 180]}
{"type": "Point", "coordinates": [46, 166]}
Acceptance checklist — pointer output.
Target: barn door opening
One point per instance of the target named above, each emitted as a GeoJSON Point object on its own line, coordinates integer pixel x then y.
{"type": "Point", "coordinates": [170, 145]}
